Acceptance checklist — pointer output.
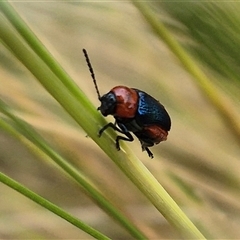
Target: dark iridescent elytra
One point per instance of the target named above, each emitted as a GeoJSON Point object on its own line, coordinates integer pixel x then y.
{"type": "Point", "coordinates": [151, 111]}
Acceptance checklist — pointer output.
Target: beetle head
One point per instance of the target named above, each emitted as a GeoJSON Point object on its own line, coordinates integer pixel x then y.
{"type": "Point", "coordinates": [108, 104]}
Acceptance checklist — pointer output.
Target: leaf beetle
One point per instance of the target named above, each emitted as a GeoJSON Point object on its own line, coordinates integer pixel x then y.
{"type": "Point", "coordinates": [134, 111]}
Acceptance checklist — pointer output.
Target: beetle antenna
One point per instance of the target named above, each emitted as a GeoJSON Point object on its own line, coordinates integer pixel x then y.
{"type": "Point", "coordinates": [92, 72]}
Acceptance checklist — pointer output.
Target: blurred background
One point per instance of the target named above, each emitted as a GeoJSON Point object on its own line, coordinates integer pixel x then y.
{"type": "Point", "coordinates": [198, 164]}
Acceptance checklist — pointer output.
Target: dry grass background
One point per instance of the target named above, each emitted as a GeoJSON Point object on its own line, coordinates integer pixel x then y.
{"type": "Point", "coordinates": [198, 165]}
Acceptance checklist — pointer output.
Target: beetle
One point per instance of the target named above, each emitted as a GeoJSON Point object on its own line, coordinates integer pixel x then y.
{"type": "Point", "coordinates": [134, 111]}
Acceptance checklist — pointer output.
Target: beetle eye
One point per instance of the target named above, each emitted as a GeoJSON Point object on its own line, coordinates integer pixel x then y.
{"type": "Point", "coordinates": [112, 98]}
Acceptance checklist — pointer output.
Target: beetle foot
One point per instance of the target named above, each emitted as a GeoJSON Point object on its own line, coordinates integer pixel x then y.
{"type": "Point", "coordinates": [150, 154]}
{"type": "Point", "coordinates": [117, 146]}
{"type": "Point", "coordinates": [100, 132]}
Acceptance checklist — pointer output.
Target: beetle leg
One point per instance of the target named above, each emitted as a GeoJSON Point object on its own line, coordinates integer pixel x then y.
{"type": "Point", "coordinates": [150, 154]}
{"type": "Point", "coordinates": [129, 138]}
{"type": "Point", "coordinates": [125, 131]}
{"type": "Point", "coordinates": [111, 125]}
{"type": "Point", "coordinates": [122, 130]}
{"type": "Point", "coordinates": [144, 148]}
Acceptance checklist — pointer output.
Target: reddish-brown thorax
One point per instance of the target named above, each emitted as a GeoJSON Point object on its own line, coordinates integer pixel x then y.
{"type": "Point", "coordinates": [127, 101]}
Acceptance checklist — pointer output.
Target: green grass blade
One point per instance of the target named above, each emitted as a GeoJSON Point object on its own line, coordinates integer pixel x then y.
{"type": "Point", "coordinates": [214, 29]}
{"type": "Point", "coordinates": [219, 101]}
{"type": "Point", "coordinates": [23, 129]}
{"type": "Point", "coordinates": [50, 206]}
{"type": "Point", "coordinates": [39, 48]}
{"type": "Point", "coordinates": [85, 114]}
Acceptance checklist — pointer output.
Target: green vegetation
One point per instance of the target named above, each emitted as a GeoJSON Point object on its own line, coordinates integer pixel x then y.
{"type": "Point", "coordinates": [183, 54]}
